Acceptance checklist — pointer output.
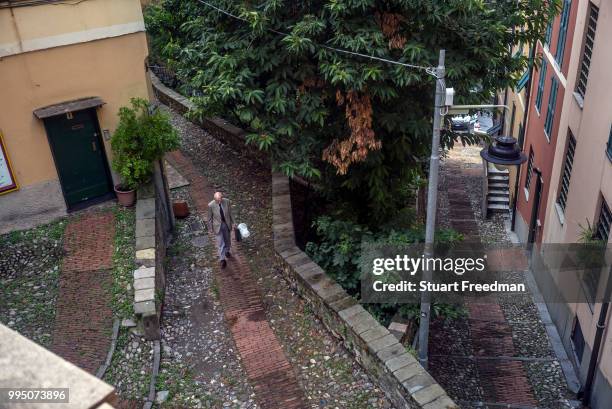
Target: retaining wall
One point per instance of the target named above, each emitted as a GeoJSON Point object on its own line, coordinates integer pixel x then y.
{"type": "Point", "coordinates": [399, 374]}
{"type": "Point", "coordinates": [154, 225]}
{"type": "Point", "coordinates": [217, 127]}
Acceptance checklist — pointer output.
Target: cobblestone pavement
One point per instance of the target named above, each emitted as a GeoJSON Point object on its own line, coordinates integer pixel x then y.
{"type": "Point", "coordinates": [262, 356]}
{"type": "Point", "coordinates": [499, 353]}
{"type": "Point", "coordinates": [199, 366]}
{"type": "Point", "coordinates": [83, 319]}
{"type": "Point", "coordinates": [29, 273]}
{"type": "Point", "coordinates": [316, 369]}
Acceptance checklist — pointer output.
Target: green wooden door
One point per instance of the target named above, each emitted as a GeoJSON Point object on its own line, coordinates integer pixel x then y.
{"type": "Point", "coordinates": [79, 156]}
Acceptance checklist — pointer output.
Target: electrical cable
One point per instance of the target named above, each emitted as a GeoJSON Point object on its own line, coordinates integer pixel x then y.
{"type": "Point", "coordinates": [27, 3]}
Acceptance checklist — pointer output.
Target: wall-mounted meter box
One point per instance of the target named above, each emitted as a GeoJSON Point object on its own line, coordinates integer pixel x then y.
{"type": "Point", "coordinates": [450, 94]}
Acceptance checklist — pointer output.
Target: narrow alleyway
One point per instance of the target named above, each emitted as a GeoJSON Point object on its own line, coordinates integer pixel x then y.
{"type": "Point", "coordinates": [499, 354]}
{"type": "Point", "coordinates": [266, 348]}
{"type": "Point", "coordinates": [262, 356]}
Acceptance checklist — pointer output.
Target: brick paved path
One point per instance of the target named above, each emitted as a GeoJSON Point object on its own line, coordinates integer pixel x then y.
{"type": "Point", "coordinates": [266, 365]}
{"type": "Point", "coordinates": [83, 321]}
{"type": "Point", "coordinates": [501, 381]}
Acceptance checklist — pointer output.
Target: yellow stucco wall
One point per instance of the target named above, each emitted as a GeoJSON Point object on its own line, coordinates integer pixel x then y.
{"type": "Point", "coordinates": [112, 69]}
{"type": "Point", "coordinates": [93, 48]}
{"type": "Point", "coordinates": [43, 26]}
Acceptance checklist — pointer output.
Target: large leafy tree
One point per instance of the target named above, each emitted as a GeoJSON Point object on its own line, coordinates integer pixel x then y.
{"type": "Point", "coordinates": [361, 126]}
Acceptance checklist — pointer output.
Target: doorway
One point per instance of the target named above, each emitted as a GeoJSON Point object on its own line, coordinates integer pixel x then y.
{"type": "Point", "coordinates": [79, 157]}
{"type": "Point", "coordinates": [535, 210]}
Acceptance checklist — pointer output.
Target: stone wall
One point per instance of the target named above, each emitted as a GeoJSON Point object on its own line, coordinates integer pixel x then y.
{"type": "Point", "coordinates": [219, 128]}
{"type": "Point", "coordinates": [404, 380]}
{"type": "Point", "coordinates": [154, 225]}
{"type": "Point", "coordinates": [26, 364]}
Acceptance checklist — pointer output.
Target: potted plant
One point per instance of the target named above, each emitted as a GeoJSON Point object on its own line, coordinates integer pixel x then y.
{"type": "Point", "coordinates": [142, 137]}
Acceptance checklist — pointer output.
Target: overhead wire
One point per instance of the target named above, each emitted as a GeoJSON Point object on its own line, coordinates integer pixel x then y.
{"type": "Point", "coordinates": [428, 69]}
{"type": "Point", "coordinates": [26, 3]}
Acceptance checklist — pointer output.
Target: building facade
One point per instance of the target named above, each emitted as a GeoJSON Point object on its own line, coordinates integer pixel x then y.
{"type": "Point", "coordinates": [580, 193]}
{"type": "Point", "coordinates": [547, 91]}
{"type": "Point", "coordinates": [514, 118]}
{"type": "Point", "coordinates": [65, 70]}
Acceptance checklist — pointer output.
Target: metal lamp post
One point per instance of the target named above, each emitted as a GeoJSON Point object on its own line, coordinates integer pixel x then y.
{"type": "Point", "coordinates": [504, 151]}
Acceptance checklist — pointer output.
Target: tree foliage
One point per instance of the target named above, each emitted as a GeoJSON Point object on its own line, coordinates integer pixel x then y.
{"type": "Point", "coordinates": [360, 126]}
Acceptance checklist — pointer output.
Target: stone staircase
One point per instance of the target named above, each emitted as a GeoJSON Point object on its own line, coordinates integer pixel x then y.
{"type": "Point", "coordinates": [498, 192]}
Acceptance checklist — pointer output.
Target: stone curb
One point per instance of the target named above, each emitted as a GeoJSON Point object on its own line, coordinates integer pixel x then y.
{"type": "Point", "coordinates": [109, 357]}
{"type": "Point", "coordinates": [399, 374]}
{"type": "Point", "coordinates": [148, 279]}
{"type": "Point", "coordinates": [154, 372]}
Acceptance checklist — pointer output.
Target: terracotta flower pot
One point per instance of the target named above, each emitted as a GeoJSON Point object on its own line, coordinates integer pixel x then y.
{"type": "Point", "coordinates": [181, 209]}
{"type": "Point", "coordinates": [126, 198]}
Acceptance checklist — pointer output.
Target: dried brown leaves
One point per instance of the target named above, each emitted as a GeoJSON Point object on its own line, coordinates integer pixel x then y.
{"type": "Point", "coordinates": [389, 23]}
{"type": "Point", "coordinates": [358, 112]}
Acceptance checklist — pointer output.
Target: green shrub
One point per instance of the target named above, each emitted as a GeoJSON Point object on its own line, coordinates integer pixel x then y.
{"type": "Point", "coordinates": [338, 248]}
{"type": "Point", "coordinates": [141, 138]}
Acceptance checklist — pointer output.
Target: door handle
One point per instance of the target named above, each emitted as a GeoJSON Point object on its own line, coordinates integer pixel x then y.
{"type": "Point", "coordinates": [93, 146]}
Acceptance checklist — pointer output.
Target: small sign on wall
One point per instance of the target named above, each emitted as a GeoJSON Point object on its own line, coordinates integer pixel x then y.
{"type": "Point", "coordinates": [7, 177]}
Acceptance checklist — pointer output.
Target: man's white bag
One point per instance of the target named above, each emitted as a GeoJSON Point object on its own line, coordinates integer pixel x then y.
{"type": "Point", "coordinates": [242, 232]}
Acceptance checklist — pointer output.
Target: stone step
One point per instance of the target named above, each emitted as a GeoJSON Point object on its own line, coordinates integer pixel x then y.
{"type": "Point", "coordinates": [498, 185]}
{"type": "Point", "coordinates": [498, 178]}
{"type": "Point", "coordinates": [499, 193]}
{"type": "Point", "coordinates": [498, 207]}
{"type": "Point", "coordinates": [494, 171]}
{"type": "Point", "coordinates": [498, 200]}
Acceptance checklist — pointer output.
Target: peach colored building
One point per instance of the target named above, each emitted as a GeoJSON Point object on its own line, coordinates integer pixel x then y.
{"type": "Point", "coordinates": [65, 69]}
{"type": "Point", "coordinates": [514, 119]}
{"type": "Point", "coordinates": [580, 192]}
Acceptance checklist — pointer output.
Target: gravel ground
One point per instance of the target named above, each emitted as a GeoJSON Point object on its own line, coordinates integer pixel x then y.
{"type": "Point", "coordinates": [130, 370]}
{"type": "Point", "coordinates": [327, 372]}
{"type": "Point", "coordinates": [30, 264]}
{"type": "Point", "coordinates": [199, 366]}
{"type": "Point", "coordinates": [459, 378]}
{"type": "Point", "coordinates": [528, 333]}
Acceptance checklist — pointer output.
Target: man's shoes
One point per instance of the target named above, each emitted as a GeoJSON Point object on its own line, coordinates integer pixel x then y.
{"type": "Point", "coordinates": [223, 263]}
{"type": "Point", "coordinates": [228, 254]}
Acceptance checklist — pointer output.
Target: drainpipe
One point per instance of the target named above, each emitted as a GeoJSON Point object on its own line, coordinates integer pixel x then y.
{"type": "Point", "coordinates": [521, 139]}
{"type": "Point", "coordinates": [601, 327]}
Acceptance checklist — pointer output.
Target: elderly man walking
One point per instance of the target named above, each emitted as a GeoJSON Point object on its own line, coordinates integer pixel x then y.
{"type": "Point", "coordinates": [220, 219]}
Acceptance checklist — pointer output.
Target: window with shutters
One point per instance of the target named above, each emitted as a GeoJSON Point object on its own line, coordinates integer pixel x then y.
{"type": "Point", "coordinates": [552, 101]}
{"type": "Point", "coordinates": [587, 50]}
{"type": "Point", "coordinates": [602, 229]}
{"type": "Point", "coordinates": [590, 282]}
{"type": "Point", "coordinates": [578, 341]}
{"type": "Point", "coordinates": [567, 171]}
{"type": "Point", "coordinates": [523, 81]}
{"type": "Point", "coordinates": [563, 23]}
{"type": "Point", "coordinates": [540, 92]}
{"type": "Point", "coordinates": [529, 169]}
{"type": "Point", "coordinates": [548, 35]}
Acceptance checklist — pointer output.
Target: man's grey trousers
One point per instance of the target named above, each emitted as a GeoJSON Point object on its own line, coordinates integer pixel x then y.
{"type": "Point", "coordinates": [224, 241]}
